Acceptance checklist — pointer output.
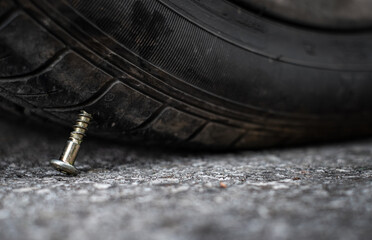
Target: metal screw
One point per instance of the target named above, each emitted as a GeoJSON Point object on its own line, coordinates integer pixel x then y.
{"type": "Point", "coordinates": [66, 161]}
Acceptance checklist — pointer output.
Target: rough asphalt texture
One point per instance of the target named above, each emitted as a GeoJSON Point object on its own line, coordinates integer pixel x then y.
{"type": "Point", "coordinates": [318, 192]}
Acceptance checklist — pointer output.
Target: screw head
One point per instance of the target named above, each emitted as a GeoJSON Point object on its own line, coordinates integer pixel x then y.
{"type": "Point", "coordinates": [64, 167]}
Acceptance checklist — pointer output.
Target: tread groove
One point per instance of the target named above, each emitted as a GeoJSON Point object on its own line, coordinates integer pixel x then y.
{"type": "Point", "coordinates": [38, 94]}
{"type": "Point", "coordinates": [8, 17]}
{"type": "Point", "coordinates": [149, 120]}
{"type": "Point", "coordinates": [233, 143]}
{"type": "Point", "coordinates": [196, 132]}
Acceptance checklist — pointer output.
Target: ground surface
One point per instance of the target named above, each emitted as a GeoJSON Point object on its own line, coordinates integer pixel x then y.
{"type": "Point", "coordinates": [319, 192]}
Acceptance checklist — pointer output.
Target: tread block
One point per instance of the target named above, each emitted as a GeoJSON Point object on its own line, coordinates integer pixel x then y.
{"type": "Point", "coordinates": [174, 124]}
{"type": "Point", "coordinates": [25, 46]}
{"type": "Point", "coordinates": [71, 81]}
{"type": "Point", "coordinates": [215, 135]}
{"type": "Point", "coordinates": [258, 139]}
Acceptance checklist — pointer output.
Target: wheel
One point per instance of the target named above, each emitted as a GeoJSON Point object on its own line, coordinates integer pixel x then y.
{"type": "Point", "coordinates": [212, 74]}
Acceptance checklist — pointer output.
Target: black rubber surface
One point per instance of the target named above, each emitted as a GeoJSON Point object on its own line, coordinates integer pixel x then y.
{"type": "Point", "coordinates": [184, 72]}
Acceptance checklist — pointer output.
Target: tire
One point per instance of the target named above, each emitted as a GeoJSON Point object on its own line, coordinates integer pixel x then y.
{"type": "Point", "coordinates": [184, 73]}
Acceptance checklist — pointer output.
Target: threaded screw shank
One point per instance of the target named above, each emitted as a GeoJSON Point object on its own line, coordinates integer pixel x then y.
{"type": "Point", "coordinates": [80, 127]}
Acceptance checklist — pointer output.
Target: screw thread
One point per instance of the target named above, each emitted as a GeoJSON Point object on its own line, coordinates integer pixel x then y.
{"type": "Point", "coordinates": [80, 127]}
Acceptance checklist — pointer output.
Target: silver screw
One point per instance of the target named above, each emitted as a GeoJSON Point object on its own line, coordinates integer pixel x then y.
{"type": "Point", "coordinates": [65, 163]}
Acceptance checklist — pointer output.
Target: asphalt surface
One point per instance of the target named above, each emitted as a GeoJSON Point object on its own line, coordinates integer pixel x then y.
{"type": "Point", "coordinates": [127, 192]}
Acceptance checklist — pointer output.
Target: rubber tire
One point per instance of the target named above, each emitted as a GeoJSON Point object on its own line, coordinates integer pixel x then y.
{"type": "Point", "coordinates": [185, 73]}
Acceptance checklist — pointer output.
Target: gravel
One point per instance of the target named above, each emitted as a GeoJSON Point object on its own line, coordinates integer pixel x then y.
{"type": "Point", "coordinates": [134, 192]}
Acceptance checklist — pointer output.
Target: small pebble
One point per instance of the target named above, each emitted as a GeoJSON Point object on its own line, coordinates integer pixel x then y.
{"type": "Point", "coordinates": [223, 185]}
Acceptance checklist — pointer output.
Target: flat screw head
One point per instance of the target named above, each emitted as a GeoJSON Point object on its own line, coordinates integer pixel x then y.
{"type": "Point", "coordinates": [66, 162]}
{"type": "Point", "coordinates": [64, 167]}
